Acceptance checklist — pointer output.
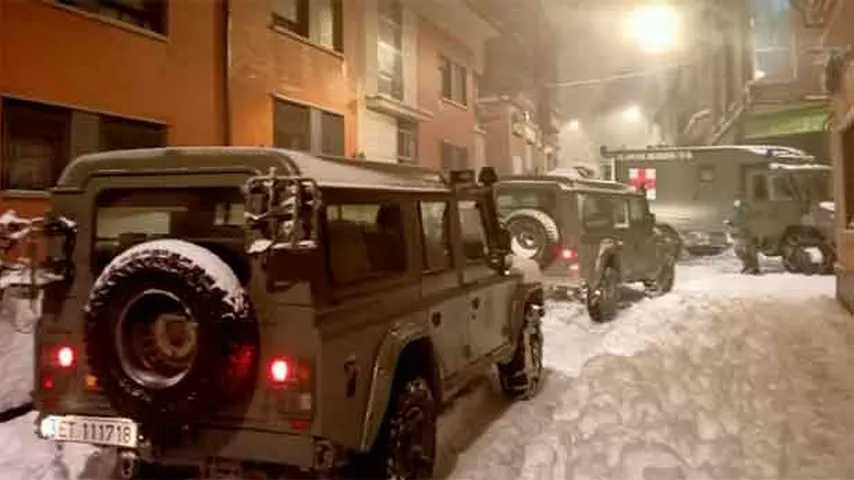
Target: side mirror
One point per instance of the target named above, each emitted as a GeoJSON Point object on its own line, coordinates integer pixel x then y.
{"type": "Point", "coordinates": [282, 212]}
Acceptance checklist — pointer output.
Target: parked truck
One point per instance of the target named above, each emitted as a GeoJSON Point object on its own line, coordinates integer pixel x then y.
{"type": "Point", "coordinates": [694, 188]}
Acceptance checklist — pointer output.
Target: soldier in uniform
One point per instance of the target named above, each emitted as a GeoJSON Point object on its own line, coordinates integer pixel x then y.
{"type": "Point", "coordinates": [745, 241]}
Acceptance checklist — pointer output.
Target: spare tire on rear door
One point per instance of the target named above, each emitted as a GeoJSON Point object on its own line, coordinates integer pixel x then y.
{"type": "Point", "coordinates": [169, 333]}
{"type": "Point", "coordinates": [533, 233]}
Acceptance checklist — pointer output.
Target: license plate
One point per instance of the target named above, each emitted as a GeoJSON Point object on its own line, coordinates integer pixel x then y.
{"type": "Point", "coordinates": [117, 432]}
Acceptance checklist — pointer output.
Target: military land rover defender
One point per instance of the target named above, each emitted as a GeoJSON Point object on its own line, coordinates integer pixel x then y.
{"type": "Point", "coordinates": [236, 309]}
{"type": "Point", "coordinates": [588, 237]}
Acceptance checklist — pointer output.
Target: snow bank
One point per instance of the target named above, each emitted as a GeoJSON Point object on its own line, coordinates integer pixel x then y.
{"type": "Point", "coordinates": [729, 376]}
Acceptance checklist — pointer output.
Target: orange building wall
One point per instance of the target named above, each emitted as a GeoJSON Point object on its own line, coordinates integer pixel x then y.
{"type": "Point", "coordinates": [52, 54]}
{"type": "Point", "coordinates": [838, 33]}
{"type": "Point", "coordinates": [452, 123]}
{"type": "Point", "coordinates": [268, 62]}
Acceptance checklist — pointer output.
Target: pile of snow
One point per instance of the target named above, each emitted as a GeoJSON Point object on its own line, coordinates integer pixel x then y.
{"type": "Point", "coordinates": [730, 376]}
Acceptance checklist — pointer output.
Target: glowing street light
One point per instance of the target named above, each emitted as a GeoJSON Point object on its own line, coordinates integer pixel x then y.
{"type": "Point", "coordinates": [655, 28]}
{"type": "Point", "coordinates": [574, 125]}
{"type": "Point", "coordinates": [632, 114]}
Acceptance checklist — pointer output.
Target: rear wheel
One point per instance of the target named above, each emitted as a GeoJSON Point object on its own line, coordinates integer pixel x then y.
{"type": "Point", "coordinates": [406, 446]}
{"type": "Point", "coordinates": [603, 298]}
{"type": "Point", "coordinates": [521, 377]}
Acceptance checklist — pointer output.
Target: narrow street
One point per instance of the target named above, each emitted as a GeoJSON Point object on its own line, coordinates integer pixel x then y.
{"type": "Point", "coordinates": [727, 377]}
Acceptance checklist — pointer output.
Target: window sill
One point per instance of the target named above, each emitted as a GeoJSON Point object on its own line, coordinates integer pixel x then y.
{"type": "Point", "coordinates": [394, 107]}
{"type": "Point", "coordinates": [25, 194]}
{"type": "Point", "coordinates": [306, 41]}
{"type": "Point", "coordinates": [110, 21]}
{"type": "Point", "coordinates": [454, 103]}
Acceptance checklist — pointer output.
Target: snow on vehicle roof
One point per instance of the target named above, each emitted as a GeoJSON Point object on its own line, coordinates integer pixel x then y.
{"type": "Point", "coordinates": [326, 171]}
{"type": "Point", "coordinates": [570, 183]}
{"type": "Point", "coordinates": [802, 167]}
{"type": "Point", "coordinates": [687, 152]}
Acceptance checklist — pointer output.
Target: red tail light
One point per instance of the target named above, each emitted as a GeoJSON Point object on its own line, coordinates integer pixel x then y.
{"type": "Point", "coordinates": [280, 371]}
{"type": "Point", "coordinates": [65, 357]}
{"type": "Point", "coordinates": [568, 254]}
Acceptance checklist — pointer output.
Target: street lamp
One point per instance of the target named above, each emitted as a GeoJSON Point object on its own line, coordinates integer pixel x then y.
{"type": "Point", "coordinates": [632, 114]}
{"type": "Point", "coordinates": [654, 27]}
{"type": "Point", "coordinates": [574, 125]}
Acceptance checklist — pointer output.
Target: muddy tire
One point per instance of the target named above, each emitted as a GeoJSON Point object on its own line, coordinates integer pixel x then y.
{"type": "Point", "coordinates": [521, 378]}
{"type": "Point", "coordinates": [664, 279]}
{"type": "Point", "coordinates": [533, 232]}
{"type": "Point", "coordinates": [603, 298]}
{"type": "Point", "coordinates": [406, 446]}
{"type": "Point", "coordinates": [169, 333]}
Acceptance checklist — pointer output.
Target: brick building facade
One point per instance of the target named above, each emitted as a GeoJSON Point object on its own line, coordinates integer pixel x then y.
{"type": "Point", "coordinates": [385, 80]}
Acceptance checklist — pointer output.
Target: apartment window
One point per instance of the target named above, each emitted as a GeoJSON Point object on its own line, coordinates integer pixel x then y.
{"type": "Point", "coordinates": [292, 126]}
{"type": "Point", "coordinates": [38, 140]}
{"type": "Point", "coordinates": [773, 40]}
{"type": "Point", "coordinates": [120, 134]}
{"type": "Point", "coordinates": [318, 20]}
{"type": "Point", "coordinates": [454, 157]}
{"type": "Point", "coordinates": [332, 134]}
{"type": "Point", "coordinates": [307, 129]}
{"type": "Point", "coordinates": [454, 81]}
{"type": "Point", "coordinates": [147, 14]}
{"type": "Point", "coordinates": [407, 142]}
{"type": "Point", "coordinates": [389, 49]}
{"type": "Point", "coordinates": [292, 15]}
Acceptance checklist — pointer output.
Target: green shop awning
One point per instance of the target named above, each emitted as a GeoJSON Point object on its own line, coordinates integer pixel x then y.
{"type": "Point", "coordinates": [787, 122]}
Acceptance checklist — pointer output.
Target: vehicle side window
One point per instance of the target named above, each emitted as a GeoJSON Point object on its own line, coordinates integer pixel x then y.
{"type": "Point", "coordinates": [621, 213]}
{"type": "Point", "coordinates": [366, 240]}
{"type": "Point", "coordinates": [637, 211]}
{"type": "Point", "coordinates": [781, 189]}
{"type": "Point", "coordinates": [434, 231]}
{"type": "Point", "coordinates": [473, 233]}
{"type": "Point", "coordinates": [759, 187]}
{"type": "Point", "coordinates": [596, 212]}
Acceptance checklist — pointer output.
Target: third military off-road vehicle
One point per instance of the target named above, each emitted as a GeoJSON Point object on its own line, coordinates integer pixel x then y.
{"type": "Point", "coordinates": [244, 309]}
{"type": "Point", "coordinates": [693, 189]}
{"type": "Point", "coordinates": [587, 236]}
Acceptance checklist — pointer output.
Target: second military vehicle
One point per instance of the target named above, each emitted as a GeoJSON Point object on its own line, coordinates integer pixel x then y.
{"type": "Point", "coordinates": [587, 236]}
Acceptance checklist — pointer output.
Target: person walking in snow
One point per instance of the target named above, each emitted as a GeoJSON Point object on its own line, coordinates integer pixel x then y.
{"type": "Point", "coordinates": [745, 241]}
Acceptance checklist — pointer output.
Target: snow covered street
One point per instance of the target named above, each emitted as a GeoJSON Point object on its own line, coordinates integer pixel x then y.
{"type": "Point", "coordinates": [729, 376]}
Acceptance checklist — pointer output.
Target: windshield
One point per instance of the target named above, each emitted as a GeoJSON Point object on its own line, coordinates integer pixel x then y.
{"type": "Point", "coordinates": [816, 186]}
{"type": "Point", "coordinates": [126, 217]}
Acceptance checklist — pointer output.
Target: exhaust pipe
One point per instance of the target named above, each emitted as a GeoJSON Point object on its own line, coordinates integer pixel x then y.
{"type": "Point", "coordinates": [128, 464]}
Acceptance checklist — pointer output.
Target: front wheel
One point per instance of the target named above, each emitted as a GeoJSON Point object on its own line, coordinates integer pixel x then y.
{"type": "Point", "coordinates": [603, 298]}
{"type": "Point", "coordinates": [521, 377]}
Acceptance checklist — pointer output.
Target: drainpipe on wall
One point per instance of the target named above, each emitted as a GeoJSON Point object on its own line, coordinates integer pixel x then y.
{"type": "Point", "coordinates": [227, 72]}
